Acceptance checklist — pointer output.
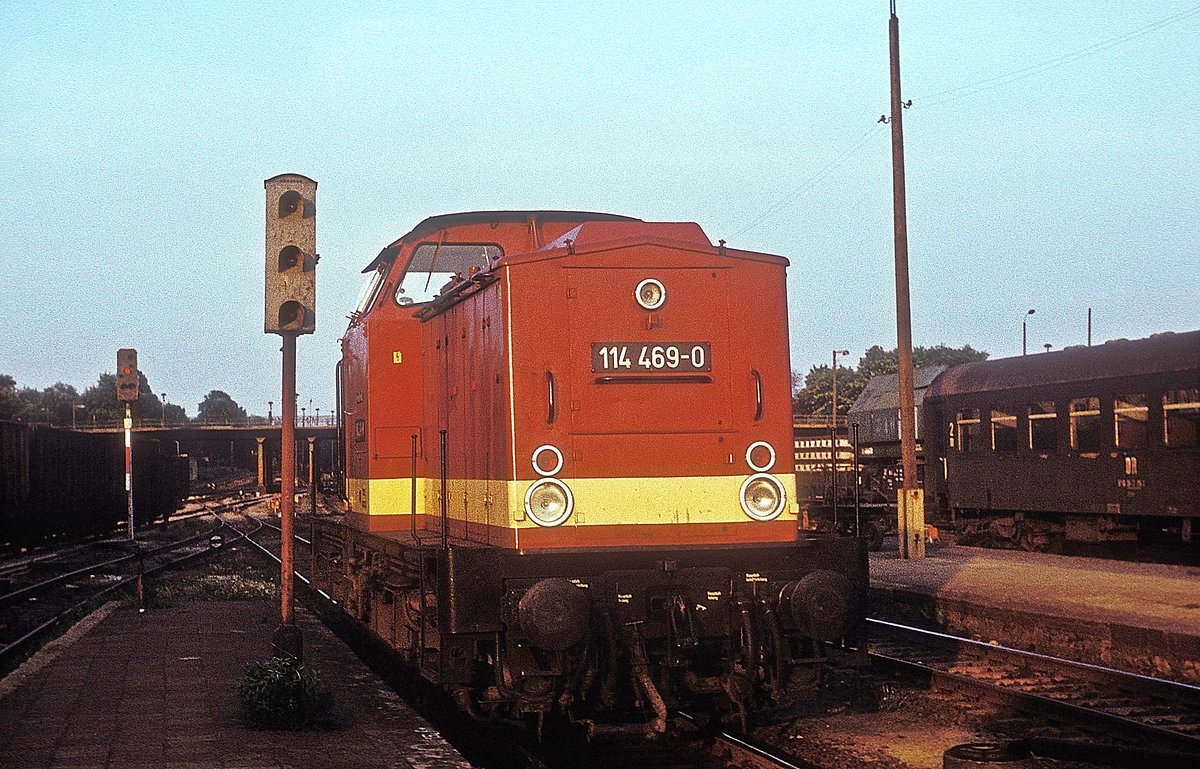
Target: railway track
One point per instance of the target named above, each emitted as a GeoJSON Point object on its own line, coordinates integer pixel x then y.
{"type": "Point", "coordinates": [711, 750]}
{"type": "Point", "coordinates": [1148, 710]}
{"type": "Point", "coordinates": [1151, 712]}
{"type": "Point", "coordinates": [44, 592]}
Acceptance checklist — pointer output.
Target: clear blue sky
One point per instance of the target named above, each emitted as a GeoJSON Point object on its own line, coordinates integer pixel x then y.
{"type": "Point", "coordinates": [1052, 160]}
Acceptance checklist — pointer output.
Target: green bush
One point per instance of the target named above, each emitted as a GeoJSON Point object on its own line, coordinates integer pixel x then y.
{"type": "Point", "coordinates": [283, 694]}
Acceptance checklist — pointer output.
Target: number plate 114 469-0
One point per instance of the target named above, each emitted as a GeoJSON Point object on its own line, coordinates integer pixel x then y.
{"type": "Point", "coordinates": [641, 357]}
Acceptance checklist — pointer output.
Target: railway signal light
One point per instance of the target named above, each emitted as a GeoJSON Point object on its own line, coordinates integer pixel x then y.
{"type": "Point", "coordinates": [127, 375]}
{"type": "Point", "coordinates": [291, 259]}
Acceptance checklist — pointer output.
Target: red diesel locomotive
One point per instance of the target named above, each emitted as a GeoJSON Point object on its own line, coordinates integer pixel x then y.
{"type": "Point", "coordinates": [568, 472]}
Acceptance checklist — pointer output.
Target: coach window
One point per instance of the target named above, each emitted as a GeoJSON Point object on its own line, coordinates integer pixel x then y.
{"type": "Point", "coordinates": [967, 427]}
{"type": "Point", "coordinates": [1004, 430]}
{"type": "Point", "coordinates": [1043, 426]}
{"type": "Point", "coordinates": [1181, 417]}
{"type": "Point", "coordinates": [435, 265]}
{"type": "Point", "coordinates": [1130, 417]}
{"type": "Point", "coordinates": [1086, 434]}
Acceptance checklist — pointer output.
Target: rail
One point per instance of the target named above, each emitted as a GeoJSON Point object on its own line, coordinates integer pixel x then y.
{"type": "Point", "coordinates": [1166, 711]}
{"type": "Point", "coordinates": [60, 603]}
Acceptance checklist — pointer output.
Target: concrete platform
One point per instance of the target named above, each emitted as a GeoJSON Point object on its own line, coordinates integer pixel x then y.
{"type": "Point", "coordinates": [1139, 617]}
{"type": "Point", "coordinates": [158, 690]}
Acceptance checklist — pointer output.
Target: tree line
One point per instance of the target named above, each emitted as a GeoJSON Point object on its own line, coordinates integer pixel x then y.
{"type": "Point", "coordinates": [63, 405]}
{"type": "Point", "coordinates": [814, 393]}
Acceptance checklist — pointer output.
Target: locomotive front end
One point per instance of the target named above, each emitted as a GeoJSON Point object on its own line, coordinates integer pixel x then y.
{"type": "Point", "coordinates": [651, 402]}
{"type": "Point", "coordinates": [654, 493]}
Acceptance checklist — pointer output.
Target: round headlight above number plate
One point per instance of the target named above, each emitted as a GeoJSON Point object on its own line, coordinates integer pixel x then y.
{"type": "Point", "coordinates": [650, 294]}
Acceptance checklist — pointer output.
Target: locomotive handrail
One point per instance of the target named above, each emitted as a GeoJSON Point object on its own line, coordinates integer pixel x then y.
{"type": "Point", "coordinates": [758, 394]}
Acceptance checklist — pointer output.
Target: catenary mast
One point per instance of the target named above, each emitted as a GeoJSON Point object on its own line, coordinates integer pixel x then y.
{"type": "Point", "coordinates": [910, 501]}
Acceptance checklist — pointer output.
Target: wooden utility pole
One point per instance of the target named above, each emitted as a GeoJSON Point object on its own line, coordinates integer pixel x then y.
{"type": "Point", "coordinates": [910, 501]}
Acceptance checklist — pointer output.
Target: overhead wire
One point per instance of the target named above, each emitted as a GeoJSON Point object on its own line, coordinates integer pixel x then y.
{"type": "Point", "coordinates": [814, 180]}
{"type": "Point", "coordinates": [970, 89]}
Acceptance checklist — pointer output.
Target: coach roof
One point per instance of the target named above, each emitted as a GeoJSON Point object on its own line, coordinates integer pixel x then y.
{"type": "Point", "coordinates": [1158, 354]}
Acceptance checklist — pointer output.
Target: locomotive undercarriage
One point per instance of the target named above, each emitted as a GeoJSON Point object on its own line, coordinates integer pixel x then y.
{"type": "Point", "coordinates": [523, 637]}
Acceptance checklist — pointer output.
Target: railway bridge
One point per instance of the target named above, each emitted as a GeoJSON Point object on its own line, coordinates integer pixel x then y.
{"type": "Point", "coordinates": [252, 446]}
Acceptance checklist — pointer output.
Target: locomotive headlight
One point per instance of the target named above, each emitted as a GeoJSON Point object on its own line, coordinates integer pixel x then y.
{"type": "Point", "coordinates": [650, 294]}
{"type": "Point", "coordinates": [763, 497]}
{"type": "Point", "coordinates": [549, 502]}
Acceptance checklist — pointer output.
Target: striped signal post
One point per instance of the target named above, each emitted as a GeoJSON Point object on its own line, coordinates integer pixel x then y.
{"type": "Point", "coordinates": [127, 392]}
{"type": "Point", "coordinates": [129, 465]}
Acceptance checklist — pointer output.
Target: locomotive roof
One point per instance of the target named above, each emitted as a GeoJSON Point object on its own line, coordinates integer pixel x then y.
{"type": "Point", "coordinates": [1158, 354]}
{"type": "Point", "coordinates": [442, 221]}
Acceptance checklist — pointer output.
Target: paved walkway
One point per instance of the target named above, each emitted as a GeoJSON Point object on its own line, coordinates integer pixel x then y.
{"type": "Point", "coordinates": [1153, 596]}
{"type": "Point", "coordinates": [1134, 616]}
{"type": "Point", "coordinates": [158, 690]}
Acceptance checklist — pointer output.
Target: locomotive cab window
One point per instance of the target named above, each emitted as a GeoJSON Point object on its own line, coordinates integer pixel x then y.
{"type": "Point", "coordinates": [1043, 426]}
{"type": "Point", "coordinates": [1130, 418]}
{"type": "Point", "coordinates": [1004, 430]}
{"type": "Point", "coordinates": [435, 265]}
{"type": "Point", "coordinates": [366, 298]}
{"type": "Point", "coordinates": [1086, 433]}
{"type": "Point", "coordinates": [967, 428]}
{"type": "Point", "coordinates": [1181, 417]}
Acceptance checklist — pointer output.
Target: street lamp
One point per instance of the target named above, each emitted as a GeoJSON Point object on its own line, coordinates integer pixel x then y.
{"type": "Point", "coordinates": [163, 422]}
{"type": "Point", "coordinates": [1025, 331]}
{"type": "Point", "coordinates": [833, 447]}
{"type": "Point", "coordinates": [318, 416]}
{"type": "Point", "coordinates": [270, 415]}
